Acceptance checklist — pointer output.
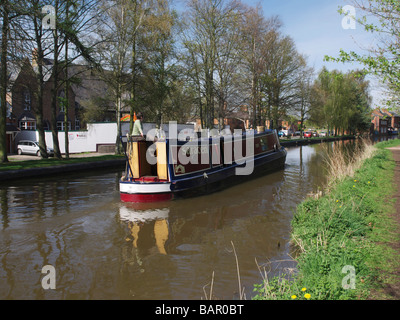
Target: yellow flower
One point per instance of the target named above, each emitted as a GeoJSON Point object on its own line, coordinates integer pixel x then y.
{"type": "Point", "coordinates": [340, 206]}
{"type": "Point", "coordinates": [307, 296]}
{"type": "Point", "coordinates": [355, 180]}
{"type": "Point", "coordinates": [369, 181]}
{"type": "Point", "coordinates": [354, 186]}
{"type": "Point", "coordinates": [337, 200]}
{"type": "Point", "coordinates": [294, 296]}
{"type": "Point", "coordinates": [304, 289]}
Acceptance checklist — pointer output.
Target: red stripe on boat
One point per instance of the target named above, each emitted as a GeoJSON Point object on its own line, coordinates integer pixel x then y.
{"type": "Point", "coordinates": [146, 197]}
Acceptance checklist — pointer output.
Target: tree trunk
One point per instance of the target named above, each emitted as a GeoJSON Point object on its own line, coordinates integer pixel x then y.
{"type": "Point", "coordinates": [3, 83]}
{"type": "Point", "coordinates": [66, 102]}
{"type": "Point", "coordinates": [118, 115]}
{"type": "Point", "coordinates": [39, 107]}
{"type": "Point", "coordinates": [54, 130]}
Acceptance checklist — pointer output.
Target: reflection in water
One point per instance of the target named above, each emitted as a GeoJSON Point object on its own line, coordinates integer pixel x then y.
{"type": "Point", "coordinates": [139, 222]}
{"type": "Point", "coordinates": [103, 249]}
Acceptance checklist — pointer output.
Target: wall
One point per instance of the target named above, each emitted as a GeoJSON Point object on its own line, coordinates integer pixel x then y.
{"type": "Point", "coordinates": [88, 141]}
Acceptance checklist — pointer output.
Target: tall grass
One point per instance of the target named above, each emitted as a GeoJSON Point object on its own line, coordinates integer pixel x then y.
{"type": "Point", "coordinates": [345, 161]}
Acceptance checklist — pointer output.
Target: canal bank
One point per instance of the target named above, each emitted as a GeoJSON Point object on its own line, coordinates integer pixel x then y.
{"type": "Point", "coordinates": [346, 238]}
{"type": "Point", "coordinates": [304, 142]}
{"type": "Point", "coordinates": [29, 166]}
{"type": "Point", "coordinates": [49, 167]}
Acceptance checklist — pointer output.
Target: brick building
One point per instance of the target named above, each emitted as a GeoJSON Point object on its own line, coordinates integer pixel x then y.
{"type": "Point", "coordinates": [24, 99]}
{"type": "Point", "coordinates": [380, 122]}
{"type": "Point", "coordinates": [392, 118]}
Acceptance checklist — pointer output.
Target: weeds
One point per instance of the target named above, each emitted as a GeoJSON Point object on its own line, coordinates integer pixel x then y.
{"type": "Point", "coordinates": [343, 163]}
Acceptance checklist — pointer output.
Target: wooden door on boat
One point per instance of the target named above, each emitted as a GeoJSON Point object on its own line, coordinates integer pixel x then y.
{"type": "Point", "coordinates": [137, 159]}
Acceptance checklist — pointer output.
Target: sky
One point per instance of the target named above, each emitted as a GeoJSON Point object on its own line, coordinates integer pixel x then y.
{"type": "Point", "coordinates": [316, 27]}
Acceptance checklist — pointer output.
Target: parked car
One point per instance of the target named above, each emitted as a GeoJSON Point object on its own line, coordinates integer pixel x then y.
{"type": "Point", "coordinates": [315, 134]}
{"type": "Point", "coordinates": [323, 134]}
{"type": "Point", "coordinates": [281, 134]}
{"type": "Point", "coordinates": [296, 133]}
{"type": "Point", "coordinates": [307, 134]}
{"type": "Point", "coordinates": [31, 147]}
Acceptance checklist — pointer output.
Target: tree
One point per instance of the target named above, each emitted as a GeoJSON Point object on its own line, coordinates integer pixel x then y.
{"type": "Point", "coordinates": [304, 95]}
{"type": "Point", "coordinates": [255, 31]}
{"type": "Point", "coordinates": [380, 17]}
{"type": "Point", "coordinates": [10, 14]}
{"type": "Point", "coordinates": [73, 18]}
{"type": "Point", "coordinates": [37, 41]}
{"type": "Point", "coordinates": [280, 79]}
{"type": "Point", "coordinates": [206, 24]}
{"type": "Point", "coordinates": [159, 65]}
{"type": "Point", "coordinates": [341, 101]}
{"type": "Point", "coordinates": [113, 53]}
{"type": "Point", "coordinates": [228, 67]}
{"type": "Point", "coordinates": [5, 15]}
{"type": "Point", "coordinates": [138, 12]}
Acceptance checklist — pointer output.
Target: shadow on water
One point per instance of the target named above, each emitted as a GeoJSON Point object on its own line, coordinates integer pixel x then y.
{"type": "Point", "coordinates": [104, 249]}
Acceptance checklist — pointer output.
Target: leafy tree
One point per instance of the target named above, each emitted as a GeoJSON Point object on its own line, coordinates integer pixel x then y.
{"type": "Point", "coordinates": [380, 17]}
{"type": "Point", "coordinates": [341, 101]}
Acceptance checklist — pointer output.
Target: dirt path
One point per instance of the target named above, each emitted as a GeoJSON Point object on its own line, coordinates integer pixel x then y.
{"type": "Point", "coordinates": [392, 290]}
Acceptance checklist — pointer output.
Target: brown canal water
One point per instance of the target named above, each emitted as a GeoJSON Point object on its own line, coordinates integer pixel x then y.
{"type": "Point", "coordinates": [101, 248]}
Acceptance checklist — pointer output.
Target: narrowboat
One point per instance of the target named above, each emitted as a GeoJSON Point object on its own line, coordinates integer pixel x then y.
{"type": "Point", "coordinates": [168, 169]}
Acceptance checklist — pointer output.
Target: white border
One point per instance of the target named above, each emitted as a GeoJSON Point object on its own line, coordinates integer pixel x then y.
{"type": "Point", "coordinates": [133, 188]}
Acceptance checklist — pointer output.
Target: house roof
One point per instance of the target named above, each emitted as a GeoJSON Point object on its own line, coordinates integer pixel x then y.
{"type": "Point", "coordinates": [378, 113]}
{"type": "Point", "coordinates": [11, 128]}
{"type": "Point", "coordinates": [27, 116]}
{"type": "Point", "coordinates": [90, 84]}
{"type": "Point", "coordinates": [391, 113]}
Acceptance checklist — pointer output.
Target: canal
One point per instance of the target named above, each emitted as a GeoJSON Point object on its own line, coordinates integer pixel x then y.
{"type": "Point", "coordinates": [104, 249]}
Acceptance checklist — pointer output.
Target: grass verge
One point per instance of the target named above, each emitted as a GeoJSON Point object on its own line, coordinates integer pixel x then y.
{"type": "Point", "coordinates": [29, 164]}
{"type": "Point", "coordinates": [343, 236]}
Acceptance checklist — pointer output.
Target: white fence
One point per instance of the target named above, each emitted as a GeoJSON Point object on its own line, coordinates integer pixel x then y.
{"type": "Point", "coordinates": [97, 134]}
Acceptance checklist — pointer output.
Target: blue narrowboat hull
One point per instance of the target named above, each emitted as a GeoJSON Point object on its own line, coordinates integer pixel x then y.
{"type": "Point", "coordinates": [188, 180]}
{"type": "Point", "coordinates": [222, 178]}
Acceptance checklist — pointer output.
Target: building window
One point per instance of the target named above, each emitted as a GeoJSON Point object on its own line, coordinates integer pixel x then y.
{"type": "Point", "coordinates": [27, 100]}
{"type": "Point", "coordinates": [27, 125]}
{"type": "Point", "coordinates": [77, 124]}
{"type": "Point", "coordinates": [60, 125]}
{"type": "Point", "coordinates": [61, 100]}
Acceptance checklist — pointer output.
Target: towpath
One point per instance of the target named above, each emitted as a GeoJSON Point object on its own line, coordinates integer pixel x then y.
{"type": "Point", "coordinates": [392, 290]}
